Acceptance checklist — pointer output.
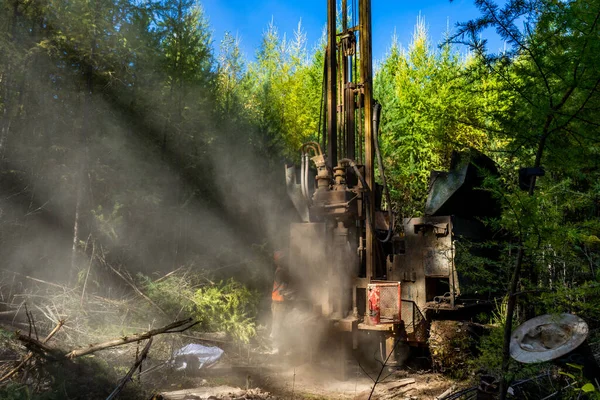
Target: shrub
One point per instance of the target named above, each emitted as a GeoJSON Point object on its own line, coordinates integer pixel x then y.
{"type": "Point", "coordinates": [226, 306]}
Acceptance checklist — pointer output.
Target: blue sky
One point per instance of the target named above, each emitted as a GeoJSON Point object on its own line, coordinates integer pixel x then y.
{"type": "Point", "coordinates": [249, 19]}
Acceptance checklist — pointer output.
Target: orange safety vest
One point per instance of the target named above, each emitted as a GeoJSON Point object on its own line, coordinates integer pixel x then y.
{"type": "Point", "coordinates": [277, 287]}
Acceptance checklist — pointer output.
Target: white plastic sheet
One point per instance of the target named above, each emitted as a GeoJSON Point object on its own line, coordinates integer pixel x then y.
{"type": "Point", "coordinates": [196, 356]}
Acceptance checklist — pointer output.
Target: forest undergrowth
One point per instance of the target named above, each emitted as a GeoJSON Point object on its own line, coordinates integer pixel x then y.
{"type": "Point", "coordinates": [224, 314]}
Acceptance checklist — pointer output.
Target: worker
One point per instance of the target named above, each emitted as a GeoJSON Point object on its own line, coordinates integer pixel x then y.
{"type": "Point", "coordinates": [279, 302]}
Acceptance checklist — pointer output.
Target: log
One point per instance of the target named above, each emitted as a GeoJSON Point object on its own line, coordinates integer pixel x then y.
{"type": "Point", "coordinates": [47, 351]}
{"type": "Point", "coordinates": [171, 328]}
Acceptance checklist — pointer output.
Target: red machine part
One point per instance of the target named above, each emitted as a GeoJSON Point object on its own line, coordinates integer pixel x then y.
{"type": "Point", "coordinates": [385, 304]}
{"type": "Point", "coordinates": [374, 310]}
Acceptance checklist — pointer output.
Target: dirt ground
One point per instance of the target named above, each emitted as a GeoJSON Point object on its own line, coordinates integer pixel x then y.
{"type": "Point", "coordinates": [243, 373]}
{"type": "Point", "coordinates": [308, 381]}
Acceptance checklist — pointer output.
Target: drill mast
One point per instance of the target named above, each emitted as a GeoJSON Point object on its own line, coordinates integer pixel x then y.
{"type": "Point", "coordinates": [337, 238]}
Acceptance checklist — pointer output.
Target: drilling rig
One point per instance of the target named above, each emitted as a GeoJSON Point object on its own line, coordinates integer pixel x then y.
{"type": "Point", "coordinates": [356, 272]}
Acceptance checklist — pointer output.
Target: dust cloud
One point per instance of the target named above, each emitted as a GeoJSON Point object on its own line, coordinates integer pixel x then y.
{"type": "Point", "coordinates": [150, 189]}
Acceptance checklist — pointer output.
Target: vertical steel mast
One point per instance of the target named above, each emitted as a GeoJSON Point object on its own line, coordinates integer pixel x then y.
{"type": "Point", "coordinates": [354, 114]}
{"type": "Point", "coordinates": [334, 252]}
{"type": "Point", "coordinates": [331, 85]}
{"type": "Point", "coordinates": [366, 71]}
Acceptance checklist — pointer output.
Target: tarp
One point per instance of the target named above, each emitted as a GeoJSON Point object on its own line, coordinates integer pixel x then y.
{"type": "Point", "coordinates": [196, 356]}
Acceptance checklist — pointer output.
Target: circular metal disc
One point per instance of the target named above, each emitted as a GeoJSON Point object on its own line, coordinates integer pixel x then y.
{"type": "Point", "coordinates": [547, 337]}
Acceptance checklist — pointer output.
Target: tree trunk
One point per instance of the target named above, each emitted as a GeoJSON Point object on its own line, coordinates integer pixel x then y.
{"type": "Point", "coordinates": [7, 79]}
{"type": "Point", "coordinates": [83, 150]}
{"type": "Point", "coordinates": [512, 297]}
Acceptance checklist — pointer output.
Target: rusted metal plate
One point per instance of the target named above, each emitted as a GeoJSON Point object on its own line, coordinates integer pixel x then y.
{"type": "Point", "coordinates": [426, 265]}
{"type": "Point", "coordinates": [437, 260]}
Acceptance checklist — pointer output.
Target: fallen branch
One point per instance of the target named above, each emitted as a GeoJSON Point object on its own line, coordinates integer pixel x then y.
{"type": "Point", "coordinates": [400, 383]}
{"type": "Point", "coordinates": [30, 354]}
{"type": "Point", "coordinates": [37, 280]}
{"type": "Point", "coordinates": [133, 286]}
{"type": "Point", "coordinates": [216, 337]}
{"type": "Point", "coordinates": [169, 274]}
{"type": "Point", "coordinates": [39, 347]}
{"type": "Point", "coordinates": [445, 393]}
{"type": "Point", "coordinates": [13, 315]}
{"type": "Point", "coordinates": [127, 377]}
{"type": "Point", "coordinates": [154, 368]}
{"type": "Point", "coordinates": [183, 325]}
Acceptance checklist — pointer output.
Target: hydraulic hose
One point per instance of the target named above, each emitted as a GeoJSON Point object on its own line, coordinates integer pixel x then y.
{"type": "Point", "coordinates": [376, 115]}
{"type": "Point", "coordinates": [302, 176]}
{"type": "Point", "coordinates": [352, 163]}
{"type": "Point", "coordinates": [305, 166]}
{"type": "Point", "coordinates": [306, 170]}
{"type": "Point", "coordinates": [315, 146]}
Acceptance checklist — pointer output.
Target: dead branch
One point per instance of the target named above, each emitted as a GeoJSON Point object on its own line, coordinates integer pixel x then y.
{"type": "Point", "coordinates": [400, 383]}
{"type": "Point", "coordinates": [154, 368]}
{"type": "Point", "coordinates": [171, 328]}
{"type": "Point", "coordinates": [31, 322]}
{"type": "Point", "coordinates": [169, 274]}
{"type": "Point", "coordinates": [13, 315]}
{"type": "Point", "coordinates": [209, 337]}
{"type": "Point", "coordinates": [30, 354]}
{"type": "Point", "coordinates": [55, 330]}
{"type": "Point", "coordinates": [38, 347]}
{"type": "Point", "coordinates": [49, 352]}
{"type": "Point", "coordinates": [446, 392]}
{"type": "Point", "coordinates": [88, 271]}
{"type": "Point", "coordinates": [133, 286]}
{"type": "Point", "coordinates": [127, 377]}
{"type": "Point", "coordinates": [38, 280]}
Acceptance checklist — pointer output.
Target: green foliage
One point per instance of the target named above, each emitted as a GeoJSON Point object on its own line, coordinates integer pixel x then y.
{"type": "Point", "coordinates": [578, 384]}
{"type": "Point", "coordinates": [428, 111]}
{"type": "Point", "coordinates": [84, 378]}
{"type": "Point", "coordinates": [481, 275]}
{"type": "Point", "coordinates": [225, 306]}
{"type": "Point", "coordinates": [489, 358]}
{"type": "Point", "coordinates": [175, 153]}
{"type": "Point", "coordinates": [4, 334]}
{"type": "Point", "coordinates": [581, 299]}
{"type": "Point", "coordinates": [490, 346]}
{"type": "Point", "coordinates": [16, 391]}
{"type": "Point", "coordinates": [285, 92]}
{"type": "Point", "coordinates": [108, 223]}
